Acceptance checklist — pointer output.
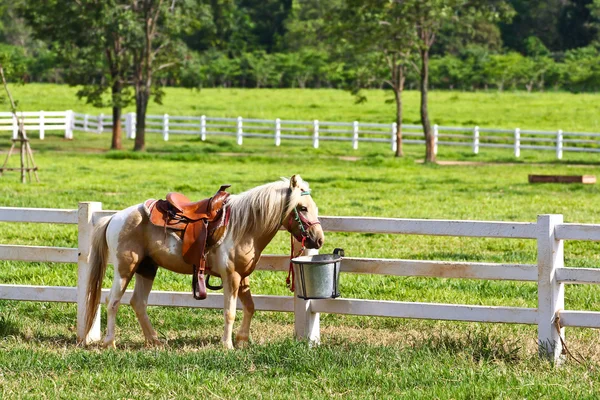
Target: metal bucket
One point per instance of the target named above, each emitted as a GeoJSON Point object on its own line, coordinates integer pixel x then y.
{"type": "Point", "coordinates": [318, 276]}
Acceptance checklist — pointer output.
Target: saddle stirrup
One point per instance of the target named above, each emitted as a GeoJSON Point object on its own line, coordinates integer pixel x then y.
{"type": "Point", "coordinates": [198, 284]}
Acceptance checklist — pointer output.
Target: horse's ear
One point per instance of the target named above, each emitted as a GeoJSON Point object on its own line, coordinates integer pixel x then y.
{"type": "Point", "coordinates": [294, 181]}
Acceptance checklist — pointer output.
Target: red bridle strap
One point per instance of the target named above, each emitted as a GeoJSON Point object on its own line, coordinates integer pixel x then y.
{"type": "Point", "coordinates": [304, 225]}
{"type": "Point", "coordinates": [290, 281]}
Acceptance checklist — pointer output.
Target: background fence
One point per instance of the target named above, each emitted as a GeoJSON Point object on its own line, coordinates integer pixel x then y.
{"type": "Point", "coordinates": [550, 273]}
{"type": "Point", "coordinates": [315, 131]}
{"type": "Point", "coordinates": [40, 121]}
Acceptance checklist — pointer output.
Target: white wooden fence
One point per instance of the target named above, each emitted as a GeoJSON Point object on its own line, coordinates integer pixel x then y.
{"type": "Point", "coordinates": [355, 132]}
{"type": "Point", "coordinates": [549, 231]}
{"type": "Point", "coordinates": [313, 131]}
{"type": "Point", "coordinates": [40, 121]}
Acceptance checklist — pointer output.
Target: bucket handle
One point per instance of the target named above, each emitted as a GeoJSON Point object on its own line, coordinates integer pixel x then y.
{"type": "Point", "coordinates": [338, 252]}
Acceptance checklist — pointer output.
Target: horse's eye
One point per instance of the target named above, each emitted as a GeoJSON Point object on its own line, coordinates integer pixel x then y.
{"type": "Point", "coordinates": [303, 209]}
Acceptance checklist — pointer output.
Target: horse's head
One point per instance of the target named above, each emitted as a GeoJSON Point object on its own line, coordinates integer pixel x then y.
{"type": "Point", "coordinates": [302, 219]}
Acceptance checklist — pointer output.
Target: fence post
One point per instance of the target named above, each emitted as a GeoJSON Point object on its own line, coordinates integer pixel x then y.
{"type": "Point", "coordinates": [165, 127]}
{"type": "Point", "coordinates": [355, 135]}
{"type": "Point", "coordinates": [316, 133]}
{"type": "Point", "coordinates": [559, 144]}
{"type": "Point", "coordinates": [307, 324]}
{"type": "Point", "coordinates": [85, 122]}
{"type": "Point", "coordinates": [476, 140]}
{"type": "Point", "coordinates": [393, 139]}
{"type": "Point", "coordinates": [240, 132]}
{"type": "Point", "coordinates": [277, 132]}
{"type": "Point", "coordinates": [69, 124]}
{"type": "Point", "coordinates": [435, 138]}
{"type": "Point", "coordinates": [203, 127]}
{"type": "Point", "coordinates": [551, 293]}
{"type": "Point", "coordinates": [15, 127]}
{"type": "Point", "coordinates": [100, 123]}
{"type": "Point", "coordinates": [85, 229]}
{"type": "Point", "coordinates": [42, 128]}
{"type": "Point", "coordinates": [130, 125]}
{"type": "Point", "coordinates": [517, 142]}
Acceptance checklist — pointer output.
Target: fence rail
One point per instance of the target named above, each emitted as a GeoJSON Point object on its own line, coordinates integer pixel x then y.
{"type": "Point", "coordinates": [41, 121]}
{"type": "Point", "coordinates": [315, 131]}
{"type": "Point", "coordinates": [550, 274]}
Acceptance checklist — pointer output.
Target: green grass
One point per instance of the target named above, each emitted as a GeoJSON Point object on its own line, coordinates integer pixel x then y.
{"type": "Point", "coordinates": [360, 357]}
{"type": "Point", "coordinates": [547, 111]}
{"type": "Point", "coordinates": [430, 369]}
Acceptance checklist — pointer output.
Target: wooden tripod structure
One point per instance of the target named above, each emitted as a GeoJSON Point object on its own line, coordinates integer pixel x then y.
{"type": "Point", "coordinates": [27, 162]}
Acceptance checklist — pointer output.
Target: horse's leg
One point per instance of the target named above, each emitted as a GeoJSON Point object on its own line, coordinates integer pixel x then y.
{"type": "Point", "coordinates": [124, 269]}
{"type": "Point", "coordinates": [243, 335]}
{"type": "Point", "coordinates": [231, 285]}
{"type": "Point", "coordinates": [144, 278]}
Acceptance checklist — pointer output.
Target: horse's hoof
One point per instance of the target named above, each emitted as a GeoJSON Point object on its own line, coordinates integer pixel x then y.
{"type": "Point", "coordinates": [242, 341]}
{"type": "Point", "coordinates": [228, 345]}
{"type": "Point", "coordinates": [109, 344]}
{"type": "Point", "coordinates": [155, 342]}
{"type": "Point", "coordinates": [242, 344]}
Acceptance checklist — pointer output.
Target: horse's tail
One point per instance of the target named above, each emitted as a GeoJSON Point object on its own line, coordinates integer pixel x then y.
{"type": "Point", "coordinates": [98, 263]}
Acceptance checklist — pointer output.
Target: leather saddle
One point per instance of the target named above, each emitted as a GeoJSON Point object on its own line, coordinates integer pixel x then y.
{"type": "Point", "coordinates": [202, 222]}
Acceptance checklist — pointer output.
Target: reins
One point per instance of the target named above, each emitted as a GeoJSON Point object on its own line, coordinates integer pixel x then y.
{"type": "Point", "coordinates": [289, 281]}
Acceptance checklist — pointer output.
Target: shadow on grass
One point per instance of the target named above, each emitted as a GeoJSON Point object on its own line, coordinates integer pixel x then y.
{"type": "Point", "coordinates": [133, 343]}
{"type": "Point", "coordinates": [477, 346]}
{"type": "Point", "coordinates": [9, 326]}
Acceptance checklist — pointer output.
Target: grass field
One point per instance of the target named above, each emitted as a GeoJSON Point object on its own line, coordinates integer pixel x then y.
{"type": "Point", "coordinates": [360, 357]}
{"type": "Point", "coordinates": [546, 111]}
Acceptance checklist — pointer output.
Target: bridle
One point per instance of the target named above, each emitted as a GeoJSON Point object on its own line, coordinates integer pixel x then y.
{"type": "Point", "coordinates": [304, 224]}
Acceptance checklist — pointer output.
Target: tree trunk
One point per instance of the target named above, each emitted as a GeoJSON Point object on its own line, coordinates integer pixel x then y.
{"type": "Point", "coordinates": [429, 139]}
{"type": "Point", "coordinates": [116, 129]}
{"type": "Point", "coordinates": [143, 78]}
{"type": "Point", "coordinates": [116, 117]}
{"type": "Point", "coordinates": [142, 95]}
{"type": "Point", "coordinates": [398, 97]}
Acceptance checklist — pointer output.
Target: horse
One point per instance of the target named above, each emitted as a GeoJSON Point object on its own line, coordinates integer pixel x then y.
{"type": "Point", "coordinates": [137, 247]}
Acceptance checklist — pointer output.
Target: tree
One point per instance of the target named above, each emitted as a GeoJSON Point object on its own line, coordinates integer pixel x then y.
{"type": "Point", "coordinates": [503, 69]}
{"type": "Point", "coordinates": [454, 39]}
{"type": "Point", "coordinates": [219, 69]}
{"type": "Point", "coordinates": [448, 72]}
{"type": "Point", "coordinates": [380, 26]}
{"type": "Point", "coordinates": [109, 44]}
{"type": "Point", "coordinates": [537, 65]}
{"type": "Point", "coordinates": [261, 67]}
{"type": "Point", "coordinates": [154, 42]}
{"type": "Point", "coordinates": [13, 29]}
{"type": "Point", "coordinates": [533, 18]}
{"type": "Point", "coordinates": [575, 25]}
{"type": "Point", "coordinates": [267, 21]}
{"type": "Point", "coordinates": [91, 48]}
{"type": "Point", "coordinates": [594, 23]}
{"type": "Point", "coordinates": [582, 69]}
{"type": "Point", "coordinates": [428, 17]}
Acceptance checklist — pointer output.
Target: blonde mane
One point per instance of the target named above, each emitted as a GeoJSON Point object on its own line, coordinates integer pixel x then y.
{"type": "Point", "coordinates": [260, 210]}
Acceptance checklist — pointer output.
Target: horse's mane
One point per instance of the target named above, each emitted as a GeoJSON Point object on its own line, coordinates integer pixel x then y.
{"type": "Point", "coordinates": [263, 207]}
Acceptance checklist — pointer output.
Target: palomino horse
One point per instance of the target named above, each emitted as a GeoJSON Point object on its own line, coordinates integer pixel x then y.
{"type": "Point", "coordinates": [138, 247]}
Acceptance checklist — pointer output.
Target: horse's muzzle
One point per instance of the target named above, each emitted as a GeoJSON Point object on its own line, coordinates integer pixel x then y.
{"type": "Point", "coordinates": [315, 238]}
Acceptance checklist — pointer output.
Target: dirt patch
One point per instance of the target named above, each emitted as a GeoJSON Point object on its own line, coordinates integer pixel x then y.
{"type": "Point", "coordinates": [466, 163]}
{"type": "Point", "coordinates": [487, 163]}
{"type": "Point", "coordinates": [349, 158]}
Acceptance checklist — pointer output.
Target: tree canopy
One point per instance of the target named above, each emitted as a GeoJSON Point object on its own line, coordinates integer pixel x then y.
{"type": "Point", "coordinates": [289, 43]}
